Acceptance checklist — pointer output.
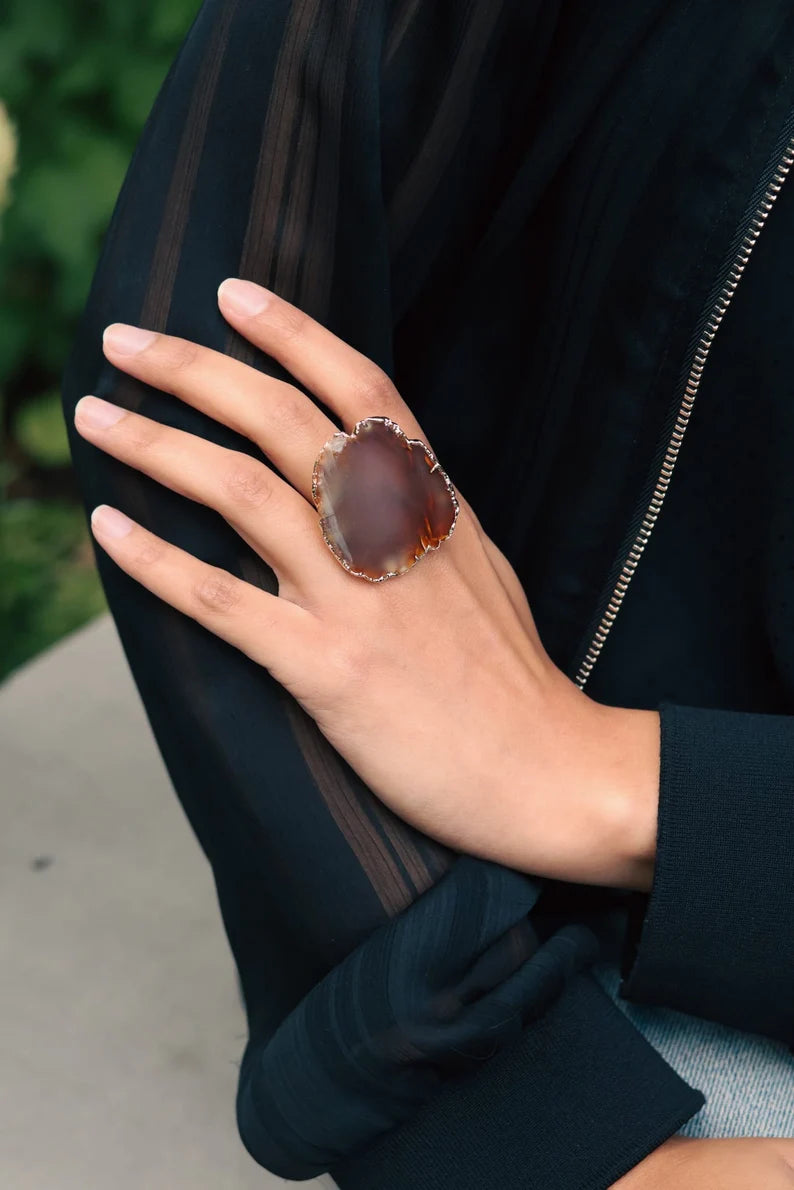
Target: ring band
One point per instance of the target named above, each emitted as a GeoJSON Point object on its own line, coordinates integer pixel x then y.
{"type": "Point", "coordinates": [383, 499]}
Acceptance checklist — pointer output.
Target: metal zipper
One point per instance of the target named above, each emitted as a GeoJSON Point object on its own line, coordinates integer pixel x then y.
{"type": "Point", "coordinates": [750, 228]}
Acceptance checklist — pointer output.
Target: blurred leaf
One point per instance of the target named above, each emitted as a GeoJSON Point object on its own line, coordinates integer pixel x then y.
{"type": "Point", "coordinates": [78, 80]}
{"type": "Point", "coordinates": [48, 583]}
{"type": "Point", "coordinates": [14, 82]}
{"type": "Point", "coordinates": [14, 334]}
{"type": "Point", "coordinates": [43, 28]}
{"type": "Point", "coordinates": [64, 204]}
{"type": "Point", "coordinates": [81, 76]}
{"type": "Point", "coordinates": [168, 22]}
{"type": "Point", "coordinates": [137, 84]}
{"type": "Point", "coordinates": [41, 431]}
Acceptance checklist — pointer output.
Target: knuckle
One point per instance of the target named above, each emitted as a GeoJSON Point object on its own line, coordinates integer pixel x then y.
{"type": "Point", "coordinates": [295, 413]}
{"type": "Point", "coordinates": [247, 484]}
{"type": "Point", "coordinates": [141, 433]}
{"type": "Point", "coordinates": [217, 591]}
{"type": "Point", "coordinates": [468, 513]}
{"type": "Point", "coordinates": [288, 322]}
{"type": "Point", "coordinates": [148, 552]}
{"type": "Point", "coordinates": [373, 391]}
{"type": "Point", "coordinates": [177, 354]}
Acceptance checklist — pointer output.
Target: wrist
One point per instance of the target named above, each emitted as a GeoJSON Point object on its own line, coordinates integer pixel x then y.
{"type": "Point", "coordinates": [612, 760]}
{"type": "Point", "coordinates": [628, 791]}
{"type": "Point", "coordinates": [576, 797]}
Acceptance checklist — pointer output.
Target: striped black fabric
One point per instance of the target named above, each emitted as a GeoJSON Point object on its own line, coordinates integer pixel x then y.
{"type": "Point", "coordinates": [467, 191]}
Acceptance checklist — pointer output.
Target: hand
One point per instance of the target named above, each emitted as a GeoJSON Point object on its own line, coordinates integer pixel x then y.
{"type": "Point", "coordinates": [685, 1164]}
{"type": "Point", "coordinates": [433, 685]}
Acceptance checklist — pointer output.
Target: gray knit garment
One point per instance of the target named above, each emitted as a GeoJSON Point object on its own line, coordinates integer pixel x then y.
{"type": "Point", "coordinates": [748, 1080]}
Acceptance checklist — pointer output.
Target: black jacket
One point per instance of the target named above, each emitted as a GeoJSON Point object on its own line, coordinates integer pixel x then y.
{"type": "Point", "coordinates": [557, 225]}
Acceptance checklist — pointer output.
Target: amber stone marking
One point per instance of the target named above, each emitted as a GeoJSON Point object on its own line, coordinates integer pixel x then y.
{"type": "Point", "coordinates": [383, 499]}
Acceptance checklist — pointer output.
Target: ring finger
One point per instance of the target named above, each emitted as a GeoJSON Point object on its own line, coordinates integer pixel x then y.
{"type": "Point", "coordinates": [270, 514]}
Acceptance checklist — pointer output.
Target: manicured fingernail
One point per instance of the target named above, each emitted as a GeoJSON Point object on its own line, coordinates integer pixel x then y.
{"type": "Point", "coordinates": [126, 339]}
{"type": "Point", "coordinates": [243, 297]}
{"type": "Point", "coordinates": [109, 522]}
{"type": "Point", "coordinates": [93, 411]}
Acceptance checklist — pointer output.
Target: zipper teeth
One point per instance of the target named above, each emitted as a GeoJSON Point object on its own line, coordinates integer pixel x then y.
{"type": "Point", "coordinates": [721, 304]}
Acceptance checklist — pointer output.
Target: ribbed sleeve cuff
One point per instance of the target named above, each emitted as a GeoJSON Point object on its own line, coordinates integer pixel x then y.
{"type": "Point", "coordinates": [714, 936]}
{"type": "Point", "coordinates": [574, 1104]}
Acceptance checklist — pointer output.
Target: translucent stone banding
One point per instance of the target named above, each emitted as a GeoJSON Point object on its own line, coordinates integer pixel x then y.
{"type": "Point", "coordinates": [383, 499]}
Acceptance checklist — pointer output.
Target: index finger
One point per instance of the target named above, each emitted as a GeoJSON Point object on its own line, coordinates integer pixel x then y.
{"type": "Point", "coordinates": [344, 379]}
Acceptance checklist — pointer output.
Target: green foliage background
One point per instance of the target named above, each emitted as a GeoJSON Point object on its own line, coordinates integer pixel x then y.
{"type": "Point", "coordinates": [78, 80]}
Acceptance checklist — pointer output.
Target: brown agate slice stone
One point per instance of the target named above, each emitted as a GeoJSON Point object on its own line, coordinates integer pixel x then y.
{"type": "Point", "coordinates": [383, 499]}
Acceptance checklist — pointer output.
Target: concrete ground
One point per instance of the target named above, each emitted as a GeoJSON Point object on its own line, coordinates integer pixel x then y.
{"type": "Point", "coordinates": [120, 1025]}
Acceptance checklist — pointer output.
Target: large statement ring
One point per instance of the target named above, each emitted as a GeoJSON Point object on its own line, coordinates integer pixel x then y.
{"type": "Point", "coordinates": [383, 499]}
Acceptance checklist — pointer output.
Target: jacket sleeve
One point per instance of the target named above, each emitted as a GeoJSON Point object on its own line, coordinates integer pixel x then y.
{"type": "Point", "coordinates": [714, 938]}
{"type": "Point", "coordinates": [415, 1019]}
{"type": "Point", "coordinates": [437, 1056]}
